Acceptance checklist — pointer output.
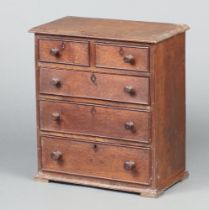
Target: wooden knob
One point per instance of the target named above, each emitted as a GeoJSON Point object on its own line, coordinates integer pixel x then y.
{"type": "Point", "coordinates": [55, 52]}
{"type": "Point", "coordinates": [56, 82]}
{"type": "Point", "coordinates": [56, 116]}
{"type": "Point", "coordinates": [129, 165]}
{"type": "Point", "coordinates": [129, 125]}
{"type": "Point", "coordinates": [129, 89]}
{"type": "Point", "coordinates": [129, 59]}
{"type": "Point", "coordinates": [56, 155]}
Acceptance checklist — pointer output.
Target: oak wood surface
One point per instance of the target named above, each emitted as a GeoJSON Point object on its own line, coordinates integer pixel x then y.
{"type": "Point", "coordinates": [94, 85]}
{"type": "Point", "coordinates": [115, 56]}
{"type": "Point", "coordinates": [92, 49]}
{"type": "Point", "coordinates": [68, 52]}
{"type": "Point", "coordinates": [95, 101]}
{"type": "Point", "coordinates": [143, 190]}
{"type": "Point", "coordinates": [96, 160]}
{"type": "Point", "coordinates": [95, 120]}
{"type": "Point", "coordinates": [169, 109]}
{"type": "Point", "coordinates": [124, 30]}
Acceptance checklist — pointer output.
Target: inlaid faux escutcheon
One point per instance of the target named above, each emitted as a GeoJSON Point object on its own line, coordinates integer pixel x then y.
{"type": "Point", "coordinates": [96, 121]}
{"type": "Point", "coordinates": [64, 51]}
{"type": "Point", "coordinates": [129, 89]}
{"type": "Point", "coordinates": [128, 164]}
{"type": "Point", "coordinates": [134, 58]}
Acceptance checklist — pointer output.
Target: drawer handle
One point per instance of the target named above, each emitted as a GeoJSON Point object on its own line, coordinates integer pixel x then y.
{"type": "Point", "coordinates": [129, 125]}
{"type": "Point", "coordinates": [130, 90]}
{"type": "Point", "coordinates": [56, 82]}
{"type": "Point", "coordinates": [56, 155]}
{"type": "Point", "coordinates": [129, 59]}
{"type": "Point", "coordinates": [56, 116]}
{"type": "Point", "coordinates": [55, 52]}
{"type": "Point", "coordinates": [129, 165]}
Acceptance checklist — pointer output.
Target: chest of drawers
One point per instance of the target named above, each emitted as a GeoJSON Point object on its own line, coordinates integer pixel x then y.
{"type": "Point", "coordinates": [111, 103]}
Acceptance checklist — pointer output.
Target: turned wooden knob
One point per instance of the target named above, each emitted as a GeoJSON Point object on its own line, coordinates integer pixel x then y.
{"type": "Point", "coordinates": [129, 59]}
{"type": "Point", "coordinates": [55, 52]}
{"type": "Point", "coordinates": [129, 165]}
{"type": "Point", "coordinates": [129, 125]}
{"type": "Point", "coordinates": [56, 155]}
{"type": "Point", "coordinates": [56, 116]}
{"type": "Point", "coordinates": [56, 82]}
{"type": "Point", "coordinates": [129, 89]}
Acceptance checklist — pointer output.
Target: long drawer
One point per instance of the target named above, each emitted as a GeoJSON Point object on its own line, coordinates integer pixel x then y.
{"type": "Point", "coordinates": [96, 160]}
{"type": "Point", "coordinates": [95, 121]}
{"type": "Point", "coordinates": [120, 88]}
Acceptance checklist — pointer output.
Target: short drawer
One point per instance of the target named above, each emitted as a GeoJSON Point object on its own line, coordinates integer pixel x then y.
{"type": "Point", "coordinates": [62, 51]}
{"type": "Point", "coordinates": [95, 121]}
{"type": "Point", "coordinates": [122, 57]}
{"type": "Point", "coordinates": [120, 88]}
{"type": "Point", "coordinates": [127, 164]}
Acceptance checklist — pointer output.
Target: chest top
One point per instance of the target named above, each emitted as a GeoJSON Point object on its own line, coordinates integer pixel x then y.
{"type": "Point", "coordinates": [122, 30]}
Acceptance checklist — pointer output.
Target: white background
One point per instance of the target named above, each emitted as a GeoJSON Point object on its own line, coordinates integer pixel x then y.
{"type": "Point", "coordinates": [17, 105]}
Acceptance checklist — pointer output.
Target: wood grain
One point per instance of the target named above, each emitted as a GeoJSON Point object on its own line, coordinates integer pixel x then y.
{"type": "Point", "coordinates": [169, 109]}
{"type": "Point", "coordinates": [113, 56]}
{"type": "Point", "coordinates": [123, 30]}
{"type": "Point", "coordinates": [105, 87]}
{"type": "Point", "coordinates": [69, 52]}
{"type": "Point", "coordinates": [95, 120]}
{"type": "Point", "coordinates": [97, 160]}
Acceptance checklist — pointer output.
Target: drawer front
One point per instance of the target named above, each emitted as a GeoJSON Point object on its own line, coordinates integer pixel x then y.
{"type": "Point", "coordinates": [68, 52]}
{"type": "Point", "coordinates": [95, 121]}
{"type": "Point", "coordinates": [97, 160]}
{"type": "Point", "coordinates": [122, 57]}
{"type": "Point", "coordinates": [95, 85]}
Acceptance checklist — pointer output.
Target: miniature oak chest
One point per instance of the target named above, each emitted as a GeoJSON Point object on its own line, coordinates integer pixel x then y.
{"type": "Point", "coordinates": [111, 103]}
